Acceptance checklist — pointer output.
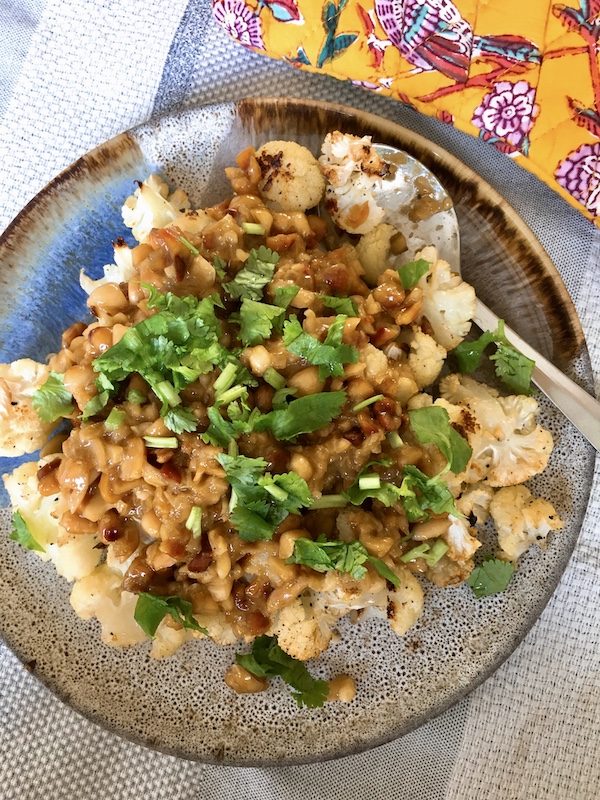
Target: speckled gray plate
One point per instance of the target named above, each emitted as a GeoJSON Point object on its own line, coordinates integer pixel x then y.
{"type": "Point", "coordinates": [182, 705]}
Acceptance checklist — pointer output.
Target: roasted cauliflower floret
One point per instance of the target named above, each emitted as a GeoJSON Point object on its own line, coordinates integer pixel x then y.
{"type": "Point", "coordinates": [476, 500]}
{"type": "Point", "coordinates": [522, 520]}
{"type": "Point", "coordinates": [304, 628]}
{"type": "Point", "coordinates": [291, 179]}
{"type": "Point", "coordinates": [448, 302]}
{"type": "Point", "coordinates": [461, 544]}
{"type": "Point", "coordinates": [374, 250]}
{"type": "Point", "coordinates": [353, 170]}
{"type": "Point", "coordinates": [119, 272]}
{"type": "Point", "coordinates": [100, 595]}
{"type": "Point", "coordinates": [151, 206]}
{"type": "Point", "coordinates": [73, 556]}
{"type": "Point", "coordinates": [426, 357]}
{"type": "Point", "coordinates": [21, 430]}
{"type": "Point", "coordinates": [509, 447]}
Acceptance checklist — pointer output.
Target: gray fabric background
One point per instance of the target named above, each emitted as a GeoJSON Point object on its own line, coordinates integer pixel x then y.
{"type": "Point", "coordinates": [71, 75]}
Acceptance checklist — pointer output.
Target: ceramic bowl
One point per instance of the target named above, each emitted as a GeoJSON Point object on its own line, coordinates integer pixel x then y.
{"type": "Point", "coordinates": [181, 705]}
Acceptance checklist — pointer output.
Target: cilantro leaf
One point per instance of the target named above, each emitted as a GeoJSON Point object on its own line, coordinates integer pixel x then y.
{"type": "Point", "coordinates": [257, 321]}
{"type": "Point", "coordinates": [304, 415]}
{"type": "Point", "coordinates": [268, 660]}
{"type": "Point", "coordinates": [169, 350]}
{"type": "Point", "coordinates": [260, 502]}
{"type": "Point", "coordinates": [430, 553]}
{"type": "Point", "coordinates": [150, 610]}
{"type": "Point", "coordinates": [411, 273]}
{"type": "Point", "coordinates": [422, 494]}
{"type": "Point", "coordinates": [330, 355]}
{"type": "Point", "coordinates": [491, 577]}
{"type": "Point", "coordinates": [254, 275]}
{"type": "Point", "coordinates": [95, 405]}
{"type": "Point", "coordinates": [512, 367]}
{"type": "Point", "coordinates": [387, 493]}
{"type": "Point", "coordinates": [52, 400]}
{"type": "Point", "coordinates": [21, 534]}
{"type": "Point", "coordinates": [432, 425]}
{"type": "Point", "coordinates": [342, 305]}
{"type": "Point", "coordinates": [284, 295]}
{"type": "Point", "coordinates": [180, 419]}
{"type": "Point", "coordinates": [219, 266]}
{"type": "Point", "coordinates": [385, 572]}
{"type": "Point", "coordinates": [323, 556]}
{"type": "Point", "coordinates": [220, 432]}
{"type": "Point", "coordinates": [468, 354]}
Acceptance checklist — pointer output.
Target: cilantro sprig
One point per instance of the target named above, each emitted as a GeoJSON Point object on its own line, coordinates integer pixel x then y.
{"type": "Point", "coordinates": [490, 577]}
{"type": "Point", "coordinates": [20, 533]}
{"type": "Point", "coordinates": [169, 350]}
{"type": "Point", "coordinates": [349, 557]}
{"type": "Point", "coordinates": [304, 415]}
{"type": "Point", "coordinates": [267, 660]}
{"type": "Point", "coordinates": [422, 495]}
{"type": "Point", "coordinates": [411, 273]}
{"type": "Point", "coordinates": [261, 501]}
{"type": "Point", "coordinates": [254, 275]}
{"type": "Point", "coordinates": [368, 484]}
{"type": "Point", "coordinates": [432, 426]}
{"type": "Point", "coordinates": [151, 609]}
{"type": "Point", "coordinates": [512, 367]}
{"type": "Point", "coordinates": [330, 355]}
{"type": "Point", "coordinates": [341, 305]}
{"type": "Point", "coordinates": [257, 321]}
{"type": "Point", "coordinates": [52, 400]}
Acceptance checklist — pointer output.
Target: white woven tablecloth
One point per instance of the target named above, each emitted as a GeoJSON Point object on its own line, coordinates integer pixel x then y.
{"type": "Point", "coordinates": [72, 74]}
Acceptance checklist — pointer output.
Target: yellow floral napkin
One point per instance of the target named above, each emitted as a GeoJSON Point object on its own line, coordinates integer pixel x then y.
{"type": "Point", "coordinates": [522, 75]}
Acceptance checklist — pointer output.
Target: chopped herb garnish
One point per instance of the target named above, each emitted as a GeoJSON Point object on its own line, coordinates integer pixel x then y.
{"type": "Point", "coordinates": [512, 367]}
{"type": "Point", "coordinates": [254, 228]}
{"type": "Point", "coordinates": [411, 273]}
{"type": "Point", "coordinates": [432, 426]}
{"type": "Point", "coordinates": [341, 305]}
{"type": "Point", "coordinates": [369, 485]}
{"type": "Point", "coordinates": [219, 266]}
{"type": "Point", "coordinates": [180, 419]}
{"type": "Point", "coordinates": [322, 556]}
{"type": "Point", "coordinates": [254, 275]}
{"type": "Point", "coordinates": [430, 553]}
{"type": "Point", "coordinates": [189, 245]}
{"type": "Point", "coordinates": [273, 378]}
{"type": "Point", "coordinates": [135, 396]}
{"type": "Point", "coordinates": [169, 350]}
{"type": "Point", "coordinates": [329, 501]}
{"type": "Point", "coordinates": [21, 534]}
{"type": "Point", "coordinates": [394, 440]}
{"type": "Point", "coordinates": [194, 521]}
{"type": "Point", "coordinates": [491, 577]}
{"type": "Point", "coordinates": [260, 502]}
{"type": "Point", "coordinates": [368, 402]}
{"type": "Point", "coordinates": [162, 442]}
{"type": "Point", "coordinates": [421, 494]}
{"type": "Point", "coordinates": [151, 609]}
{"type": "Point", "coordinates": [114, 419]}
{"type": "Point", "coordinates": [52, 400]}
{"type": "Point", "coordinates": [284, 295]}
{"type": "Point", "coordinates": [330, 355]}
{"type": "Point", "coordinates": [257, 321]}
{"type": "Point", "coordinates": [267, 660]}
{"type": "Point", "coordinates": [304, 415]}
